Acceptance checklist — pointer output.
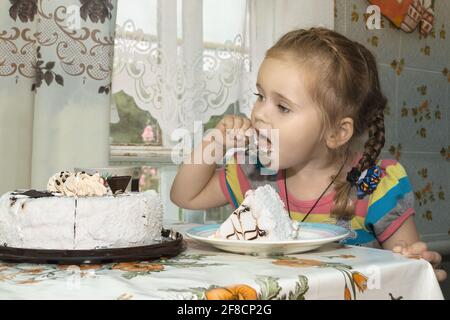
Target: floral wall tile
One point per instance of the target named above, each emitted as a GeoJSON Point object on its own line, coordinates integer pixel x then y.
{"type": "Point", "coordinates": [388, 81]}
{"type": "Point", "coordinates": [384, 43]}
{"type": "Point", "coordinates": [339, 16]}
{"type": "Point", "coordinates": [422, 113]}
{"type": "Point", "coordinates": [446, 73]}
{"type": "Point", "coordinates": [429, 177]}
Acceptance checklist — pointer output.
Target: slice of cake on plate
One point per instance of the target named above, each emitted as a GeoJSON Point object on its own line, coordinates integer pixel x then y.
{"type": "Point", "coordinates": [261, 217]}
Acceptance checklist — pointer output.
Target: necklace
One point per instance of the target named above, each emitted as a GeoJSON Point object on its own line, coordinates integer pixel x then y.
{"type": "Point", "coordinates": [317, 201]}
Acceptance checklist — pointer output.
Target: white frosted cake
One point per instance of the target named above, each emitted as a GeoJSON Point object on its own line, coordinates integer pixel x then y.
{"type": "Point", "coordinates": [260, 217]}
{"type": "Point", "coordinates": [79, 212]}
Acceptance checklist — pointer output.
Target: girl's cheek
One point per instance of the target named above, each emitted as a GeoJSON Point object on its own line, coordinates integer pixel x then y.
{"type": "Point", "coordinates": [284, 148]}
{"type": "Point", "coordinates": [291, 147]}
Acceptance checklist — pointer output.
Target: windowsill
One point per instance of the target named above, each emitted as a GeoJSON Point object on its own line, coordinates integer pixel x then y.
{"type": "Point", "coordinates": [141, 155]}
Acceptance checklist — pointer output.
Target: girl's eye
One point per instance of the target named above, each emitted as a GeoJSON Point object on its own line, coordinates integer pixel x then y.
{"type": "Point", "coordinates": [260, 97]}
{"type": "Point", "coordinates": [283, 109]}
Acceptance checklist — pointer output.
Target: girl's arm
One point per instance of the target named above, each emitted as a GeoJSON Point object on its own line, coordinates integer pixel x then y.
{"type": "Point", "coordinates": [196, 185]}
{"type": "Point", "coordinates": [406, 241]}
{"type": "Point", "coordinates": [406, 235]}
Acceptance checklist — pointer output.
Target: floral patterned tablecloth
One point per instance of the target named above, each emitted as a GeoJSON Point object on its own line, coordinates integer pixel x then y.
{"type": "Point", "coordinates": [201, 272]}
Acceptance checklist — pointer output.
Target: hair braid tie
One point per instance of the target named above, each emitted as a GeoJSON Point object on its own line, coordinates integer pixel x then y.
{"type": "Point", "coordinates": [353, 176]}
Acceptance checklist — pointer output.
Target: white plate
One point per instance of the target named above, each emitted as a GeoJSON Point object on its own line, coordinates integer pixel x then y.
{"type": "Point", "coordinates": [311, 237]}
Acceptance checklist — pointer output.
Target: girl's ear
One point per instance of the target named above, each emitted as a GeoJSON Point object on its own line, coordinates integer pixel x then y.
{"type": "Point", "coordinates": [341, 135]}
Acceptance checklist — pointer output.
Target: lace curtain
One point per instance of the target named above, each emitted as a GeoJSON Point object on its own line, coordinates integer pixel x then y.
{"type": "Point", "coordinates": [183, 61]}
{"type": "Point", "coordinates": [55, 74]}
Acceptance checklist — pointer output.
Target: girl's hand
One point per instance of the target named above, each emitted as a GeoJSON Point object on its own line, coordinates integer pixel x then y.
{"type": "Point", "coordinates": [235, 131]}
{"type": "Point", "coordinates": [420, 250]}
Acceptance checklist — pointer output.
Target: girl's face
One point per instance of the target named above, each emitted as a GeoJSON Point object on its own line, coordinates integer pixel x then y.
{"type": "Point", "coordinates": [283, 103]}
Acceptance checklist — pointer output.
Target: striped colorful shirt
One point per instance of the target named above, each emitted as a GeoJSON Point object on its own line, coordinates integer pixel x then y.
{"type": "Point", "coordinates": [377, 216]}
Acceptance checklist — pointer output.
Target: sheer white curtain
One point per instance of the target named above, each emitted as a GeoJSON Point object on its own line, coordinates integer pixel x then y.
{"type": "Point", "coordinates": [182, 60]}
{"type": "Point", "coordinates": [64, 48]}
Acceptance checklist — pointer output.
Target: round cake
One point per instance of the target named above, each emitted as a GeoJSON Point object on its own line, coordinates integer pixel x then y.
{"type": "Point", "coordinates": [77, 211]}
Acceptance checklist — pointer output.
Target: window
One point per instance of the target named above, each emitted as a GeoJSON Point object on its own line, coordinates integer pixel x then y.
{"type": "Point", "coordinates": [149, 179]}
{"type": "Point", "coordinates": [137, 130]}
{"type": "Point", "coordinates": [132, 125]}
{"type": "Point", "coordinates": [137, 31]}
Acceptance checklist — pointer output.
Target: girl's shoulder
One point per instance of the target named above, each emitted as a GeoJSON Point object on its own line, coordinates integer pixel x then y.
{"type": "Point", "coordinates": [391, 169]}
{"type": "Point", "coordinates": [394, 182]}
{"type": "Point", "coordinates": [392, 173]}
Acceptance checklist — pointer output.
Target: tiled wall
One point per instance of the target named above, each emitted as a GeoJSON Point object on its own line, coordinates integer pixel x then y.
{"type": "Point", "coordinates": [415, 76]}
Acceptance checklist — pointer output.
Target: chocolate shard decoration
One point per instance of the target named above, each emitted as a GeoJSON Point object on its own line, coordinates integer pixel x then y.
{"type": "Point", "coordinates": [118, 184]}
{"type": "Point", "coordinates": [34, 194]}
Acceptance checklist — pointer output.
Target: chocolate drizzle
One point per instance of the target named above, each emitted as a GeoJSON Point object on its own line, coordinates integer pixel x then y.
{"type": "Point", "coordinates": [12, 201]}
{"type": "Point", "coordinates": [237, 213]}
{"type": "Point", "coordinates": [236, 232]}
{"type": "Point", "coordinates": [259, 233]}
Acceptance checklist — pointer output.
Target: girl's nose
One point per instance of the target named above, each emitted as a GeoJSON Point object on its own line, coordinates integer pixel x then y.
{"type": "Point", "coordinates": [260, 113]}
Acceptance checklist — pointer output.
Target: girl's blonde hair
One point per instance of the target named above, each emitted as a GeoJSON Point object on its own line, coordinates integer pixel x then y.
{"type": "Point", "coordinates": [345, 84]}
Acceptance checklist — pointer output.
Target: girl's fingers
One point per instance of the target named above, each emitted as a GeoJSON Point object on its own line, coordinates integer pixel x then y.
{"type": "Point", "coordinates": [228, 122]}
{"type": "Point", "coordinates": [420, 249]}
{"type": "Point", "coordinates": [432, 257]}
{"type": "Point", "coordinates": [398, 248]}
{"type": "Point", "coordinates": [416, 248]}
{"type": "Point", "coordinates": [246, 124]}
{"type": "Point", "coordinates": [242, 130]}
{"type": "Point", "coordinates": [238, 121]}
{"type": "Point", "coordinates": [235, 128]}
{"type": "Point", "coordinates": [240, 127]}
{"type": "Point", "coordinates": [441, 275]}
{"type": "Point", "coordinates": [250, 132]}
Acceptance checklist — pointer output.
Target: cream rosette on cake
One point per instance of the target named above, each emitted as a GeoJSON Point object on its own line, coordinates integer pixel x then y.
{"type": "Point", "coordinates": [78, 184]}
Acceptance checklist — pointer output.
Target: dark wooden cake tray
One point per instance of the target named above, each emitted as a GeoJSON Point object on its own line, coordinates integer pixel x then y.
{"type": "Point", "coordinates": [172, 244]}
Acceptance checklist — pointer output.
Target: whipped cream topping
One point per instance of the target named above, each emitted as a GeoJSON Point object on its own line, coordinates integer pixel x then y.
{"type": "Point", "coordinates": [78, 184]}
{"type": "Point", "coordinates": [261, 216]}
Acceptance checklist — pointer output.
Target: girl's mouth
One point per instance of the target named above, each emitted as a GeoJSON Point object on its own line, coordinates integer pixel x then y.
{"type": "Point", "coordinates": [262, 140]}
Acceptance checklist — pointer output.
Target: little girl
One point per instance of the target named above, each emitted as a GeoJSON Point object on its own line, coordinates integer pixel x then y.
{"type": "Point", "coordinates": [321, 92]}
